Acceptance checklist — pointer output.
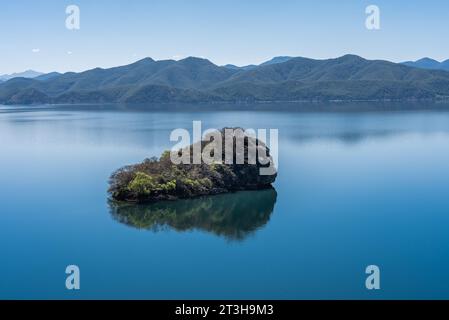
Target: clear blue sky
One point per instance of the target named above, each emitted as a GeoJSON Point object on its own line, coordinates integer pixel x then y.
{"type": "Point", "coordinates": [117, 32]}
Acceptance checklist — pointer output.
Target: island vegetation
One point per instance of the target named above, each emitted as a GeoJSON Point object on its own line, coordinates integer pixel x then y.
{"type": "Point", "coordinates": [161, 179]}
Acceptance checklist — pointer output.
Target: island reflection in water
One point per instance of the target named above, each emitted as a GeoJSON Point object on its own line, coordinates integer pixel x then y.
{"type": "Point", "coordinates": [233, 216]}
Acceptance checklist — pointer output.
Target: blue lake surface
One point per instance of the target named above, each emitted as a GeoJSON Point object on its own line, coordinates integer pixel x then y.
{"type": "Point", "coordinates": [354, 189]}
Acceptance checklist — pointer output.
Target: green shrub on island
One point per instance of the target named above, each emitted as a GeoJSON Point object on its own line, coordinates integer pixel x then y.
{"type": "Point", "coordinates": [162, 179]}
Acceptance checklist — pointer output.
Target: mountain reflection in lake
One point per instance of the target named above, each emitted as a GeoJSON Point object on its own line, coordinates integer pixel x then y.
{"type": "Point", "coordinates": [234, 216]}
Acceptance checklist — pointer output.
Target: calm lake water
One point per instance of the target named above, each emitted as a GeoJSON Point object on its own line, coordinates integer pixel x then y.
{"type": "Point", "coordinates": [354, 189]}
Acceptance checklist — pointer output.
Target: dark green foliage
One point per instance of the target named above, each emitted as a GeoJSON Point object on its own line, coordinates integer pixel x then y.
{"type": "Point", "coordinates": [157, 93]}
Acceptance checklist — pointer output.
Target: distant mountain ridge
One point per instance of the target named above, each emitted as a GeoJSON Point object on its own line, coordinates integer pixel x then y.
{"type": "Point", "coordinates": [274, 60]}
{"type": "Point", "coordinates": [25, 74]}
{"type": "Point", "coordinates": [428, 63]}
{"type": "Point", "coordinates": [349, 77]}
{"type": "Point", "coordinates": [47, 76]}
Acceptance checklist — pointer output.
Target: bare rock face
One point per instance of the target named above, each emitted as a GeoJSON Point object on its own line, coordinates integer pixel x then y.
{"type": "Point", "coordinates": [225, 161]}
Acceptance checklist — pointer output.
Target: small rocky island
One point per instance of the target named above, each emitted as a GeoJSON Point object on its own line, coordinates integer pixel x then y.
{"type": "Point", "coordinates": [163, 179]}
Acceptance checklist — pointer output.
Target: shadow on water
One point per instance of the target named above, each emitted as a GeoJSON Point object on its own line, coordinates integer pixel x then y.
{"type": "Point", "coordinates": [233, 216]}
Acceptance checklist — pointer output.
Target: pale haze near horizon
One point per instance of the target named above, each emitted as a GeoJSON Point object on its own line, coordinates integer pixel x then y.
{"type": "Point", "coordinates": [120, 32]}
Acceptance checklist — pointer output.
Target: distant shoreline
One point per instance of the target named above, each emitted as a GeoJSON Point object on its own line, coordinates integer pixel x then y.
{"type": "Point", "coordinates": [275, 106]}
{"type": "Point", "coordinates": [242, 102]}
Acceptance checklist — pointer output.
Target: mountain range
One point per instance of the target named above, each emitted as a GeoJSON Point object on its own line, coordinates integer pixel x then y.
{"type": "Point", "coordinates": [25, 74]}
{"type": "Point", "coordinates": [253, 66]}
{"type": "Point", "coordinates": [427, 63]}
{"type": "Point", "coordinates": [349, 77]}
